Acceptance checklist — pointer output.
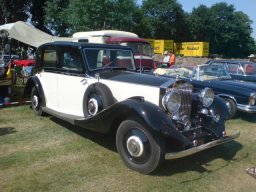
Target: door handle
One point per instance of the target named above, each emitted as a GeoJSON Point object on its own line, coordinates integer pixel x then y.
{"type": "Point", "coordinates": [84, 81]}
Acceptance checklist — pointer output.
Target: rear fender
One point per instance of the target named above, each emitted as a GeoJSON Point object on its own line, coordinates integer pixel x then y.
{"type": "Point", "coordinates": [34, 82]}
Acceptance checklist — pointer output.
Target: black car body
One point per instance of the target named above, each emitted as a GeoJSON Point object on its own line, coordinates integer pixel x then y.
{"type": "Point", "coordinates": [238, 95]}
{"type": "Point", "coordinates": [238, 69]}
{"type": "Point", "coordinates": [97, 87]}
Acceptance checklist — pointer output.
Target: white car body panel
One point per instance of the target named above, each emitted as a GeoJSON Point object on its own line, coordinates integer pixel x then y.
{"type": "Point", "coordinates": [73, 88]}
{"type": "Point", "coordinates": [123, 90]}
{"type": "Point", "coordinates": [49, 82]}
{"type": "Point", "coordinates": [72, 103]}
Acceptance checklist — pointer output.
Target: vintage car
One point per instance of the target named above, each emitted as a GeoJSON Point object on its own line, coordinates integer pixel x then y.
{"type": "Point", "coordinates": [238, 95]}
{"type": "Point", "coordinates": [97, 87]}
{"type": "Point", "coordinates": [239, 69]}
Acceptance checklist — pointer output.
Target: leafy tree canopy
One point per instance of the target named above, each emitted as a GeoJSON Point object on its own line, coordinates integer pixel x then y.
{"type": "Point", "coordinates": [166, 19]}
{"type": "Point", "coordinates": [228, 31]}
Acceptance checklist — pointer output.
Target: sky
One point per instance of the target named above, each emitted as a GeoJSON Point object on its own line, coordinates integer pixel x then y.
{"type": "Point", "coordinates": [246, 6]}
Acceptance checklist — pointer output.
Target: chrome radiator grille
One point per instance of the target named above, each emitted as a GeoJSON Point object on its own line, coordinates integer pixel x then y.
{"type": "Point", "coordinates": [186, 98]}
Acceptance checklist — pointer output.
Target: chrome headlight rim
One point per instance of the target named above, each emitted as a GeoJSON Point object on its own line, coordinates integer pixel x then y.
{"type": "Point", "coordinates": [206, 96]}
{"type": "Point", "coordinates": [172, 101]}
{"type": "Point", "coordinates": [252, 99]}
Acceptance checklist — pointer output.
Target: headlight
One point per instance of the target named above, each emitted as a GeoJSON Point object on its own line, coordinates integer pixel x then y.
{"type": "Point", "coordinates": [207, 96]}
{"type": "Point", "coordinates": [172, 101]}
{"type": "Point", "coordinates": [252, 99]}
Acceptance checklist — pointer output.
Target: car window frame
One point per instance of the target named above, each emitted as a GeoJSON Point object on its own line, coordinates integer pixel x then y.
{"type": "Point", "coordinates": [58, 68]}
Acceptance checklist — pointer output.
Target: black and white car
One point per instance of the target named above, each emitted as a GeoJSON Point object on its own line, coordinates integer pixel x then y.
{"type": "Point", "coordinates": [97, 87]}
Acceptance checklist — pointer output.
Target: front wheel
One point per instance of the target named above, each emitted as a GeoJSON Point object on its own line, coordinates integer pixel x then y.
{"type": "Point", "coordinates": [139, 149]}
{"type": "Point", "coordinates": [231, 107]}
{"type": "Point", "coordinates": [36, 103]}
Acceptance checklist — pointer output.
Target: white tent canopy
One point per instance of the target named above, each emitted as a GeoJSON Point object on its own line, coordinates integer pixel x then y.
{"type": "Point", "coordinates": [28, 34]}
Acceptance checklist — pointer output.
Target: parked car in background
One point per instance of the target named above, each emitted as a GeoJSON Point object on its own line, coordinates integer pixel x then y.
{"type": "Point", "coordinates": [238, 69]}
{"type": "Point", "coordinates": [238, 95]}
{"type": "Point", "coordinates": [97, 87]}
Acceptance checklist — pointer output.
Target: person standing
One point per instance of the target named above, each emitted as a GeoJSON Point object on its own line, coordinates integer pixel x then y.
{"type": "Point", "coordinates": [252, 58]}
{"type": "Point", "coordinates": [172, 59]}
{"type": "Point", "coordinates": [166, 57]}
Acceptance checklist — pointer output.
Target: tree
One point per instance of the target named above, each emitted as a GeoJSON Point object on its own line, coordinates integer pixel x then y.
{"type": "Point", "coordinates": [87, 15]}
{"type": "Point", "coordinates": [166, 19]}
{"type": "Point", "coordinates": [37, 14]}
{"type": "Point", "coordinates": [227, 31]}
{"type": "Point", "coordinates": [200, 24]}
{"type": "Point", "coordinates": [231, 31]}
{"type": "Point", "coordinates": [56, 15]}
{"type": "Point", "coordinates": [13, 10]}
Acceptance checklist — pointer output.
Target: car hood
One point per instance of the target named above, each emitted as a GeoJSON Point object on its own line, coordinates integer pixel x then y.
{"type": "Point", "coordinates": [235, 87]}
{"type": "Point", "coordinates": [236, 84]}
{"type": "Point", "coordinates": [135, 78]}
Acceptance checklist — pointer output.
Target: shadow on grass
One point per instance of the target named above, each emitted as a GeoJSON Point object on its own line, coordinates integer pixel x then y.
{"type": "Point", "coordinates": [197, 162]}
{"type": "Point", "coordinates": [105, 140]}
{"type": "Point", "coordinates": [200, 162]}
{"type": "Point", "coordinates": [7, 130]}
{"type": "Point", "coordinates": [250, 117]}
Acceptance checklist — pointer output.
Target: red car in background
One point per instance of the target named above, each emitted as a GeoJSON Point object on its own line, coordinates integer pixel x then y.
{"type": "Point", "coordinates": [24, 67]}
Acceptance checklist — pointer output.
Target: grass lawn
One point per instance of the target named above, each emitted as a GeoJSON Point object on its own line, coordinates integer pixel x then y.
{"type": "Point", "coordinates": [47, 154]}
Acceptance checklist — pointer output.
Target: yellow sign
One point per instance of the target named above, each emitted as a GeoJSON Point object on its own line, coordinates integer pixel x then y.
{"type": "Point", "coordinates": [151, 42]}
{"type": "Point", "coordinates": [193, 49]}
{"type": "Point", "coordinates": [161, 45]}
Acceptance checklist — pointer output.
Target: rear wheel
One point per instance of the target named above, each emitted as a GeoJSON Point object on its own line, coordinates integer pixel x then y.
{"type": "Point", "coordinates": [139, 149]}
{"type": "Point", "coordinates": [36, 103]}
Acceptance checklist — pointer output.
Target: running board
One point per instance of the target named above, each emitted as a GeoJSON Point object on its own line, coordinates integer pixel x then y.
{"type": "Point", "coordinates": [66, 117]}
{"type": "Point", "coordinates": [176, 155]}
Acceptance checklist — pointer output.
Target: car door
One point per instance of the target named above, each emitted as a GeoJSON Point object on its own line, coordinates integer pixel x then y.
{"type": "Point", "coordinates": [49, 76]}
{"type": "Point", "coordinates": [72, 82]}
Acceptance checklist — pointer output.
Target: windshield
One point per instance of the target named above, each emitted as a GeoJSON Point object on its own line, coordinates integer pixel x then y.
{"type": "Point", "coordinates": [109, 58]}
{"type": "Point", "coordinates": [208, 72]}
{"type": "Point", "coordinates": [139, 48]}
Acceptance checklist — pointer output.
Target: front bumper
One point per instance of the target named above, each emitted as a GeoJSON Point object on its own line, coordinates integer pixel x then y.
{"type": "Point", "coordinates": [176, 155]}
{"type": "Point", "coordinates": [247, 108]}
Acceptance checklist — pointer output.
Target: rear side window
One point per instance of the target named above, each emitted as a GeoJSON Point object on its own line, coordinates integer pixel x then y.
{"type": "Point", "coordinates": [61, 58]}
{"type": "Point", "coordinates": [234, 68]}
{"type": "Point", "coordinates": [50, 58]}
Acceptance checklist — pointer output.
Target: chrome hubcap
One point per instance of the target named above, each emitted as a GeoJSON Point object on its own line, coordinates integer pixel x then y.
{"type": "Point", "coordinates": [93, 106]}
{"type": "Point", "coordinates": [35, 101]}
{"type": "Point", "coordinates": [135, 146]}
{"type": "Point", "coordinates": [228, 105]}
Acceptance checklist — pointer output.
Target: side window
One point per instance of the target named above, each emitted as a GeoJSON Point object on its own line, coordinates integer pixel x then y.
{"type": "Point", "coordinates": [71, 59]}
{"type": "Point", "coordinates": [108, 58]}
{"type": "Point", "coordinates": [50, 58]}
{"type": "Point", "coordinates": [95, 58]}
{"type": "Point", "coordinates": [233, 68]}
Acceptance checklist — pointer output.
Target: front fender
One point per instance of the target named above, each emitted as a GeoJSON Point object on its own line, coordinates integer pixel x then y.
{"type": "Point", "coordinates": [149, 115]}
{"type": "Point", "coordinates": [220, 107]}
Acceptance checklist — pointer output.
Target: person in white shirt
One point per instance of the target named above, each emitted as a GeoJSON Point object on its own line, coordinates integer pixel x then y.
{"type": "Point", "coordinates": [166, 57]}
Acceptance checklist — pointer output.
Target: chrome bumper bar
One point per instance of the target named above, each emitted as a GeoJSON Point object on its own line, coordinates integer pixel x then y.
{"type": "Point", "coordinates": [176, 155]}
{"type": "Point", "coordinates": [246, 108]}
